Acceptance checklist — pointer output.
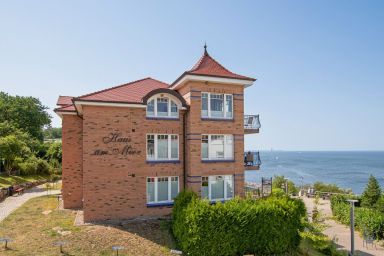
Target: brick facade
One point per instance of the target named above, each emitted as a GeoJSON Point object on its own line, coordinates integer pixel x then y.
{"type": "Point", "coordinates": [105, 166]}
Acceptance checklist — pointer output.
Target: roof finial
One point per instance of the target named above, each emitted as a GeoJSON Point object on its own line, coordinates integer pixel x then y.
{"type": "Point", "coordinates": [205, 48]}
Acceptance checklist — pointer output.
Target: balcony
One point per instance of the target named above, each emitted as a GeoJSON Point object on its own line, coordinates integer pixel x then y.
{"type": "Point", "coordinates": [252, 160]}
{"type": "Point", "coordinates": [251, 124]}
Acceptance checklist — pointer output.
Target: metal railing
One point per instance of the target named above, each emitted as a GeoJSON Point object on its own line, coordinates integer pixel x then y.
{"type": "Point", "coordinates": [252, 158]}
{"type": "Point", "coordinates": [251, 122]}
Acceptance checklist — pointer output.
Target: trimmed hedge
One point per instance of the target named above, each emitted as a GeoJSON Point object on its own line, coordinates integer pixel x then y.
{"type": "Point", "coordinates": [262, 227]}
{"type": "Point", "coordinates": [366, 219]}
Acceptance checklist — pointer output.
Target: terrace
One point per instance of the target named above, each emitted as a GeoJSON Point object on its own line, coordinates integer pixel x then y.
{"type": "Point", "coordinates": [251, 124]}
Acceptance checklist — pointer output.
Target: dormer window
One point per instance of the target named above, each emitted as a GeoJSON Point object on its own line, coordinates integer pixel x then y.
{"type": "Point", "coordinates": [162, 107]}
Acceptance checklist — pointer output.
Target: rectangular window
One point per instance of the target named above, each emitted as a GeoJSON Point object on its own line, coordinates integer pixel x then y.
{"type": "Point", "coordinates": [217, 187]}
{"type": "Point", "coordinates": [151, 146]}
{"type": "Point", "coordinates": [174, 147]}
{"type": "Point", "coordinates": [217, 147]}
{"type": "Point", "coordinates": [204, 105]}
{"type": "Point", "coordinates": [204, 187]}
{"type": "Point", "coordinates": [228, 106]}
{"type": "Point", "coordinates": [204, 146]}
{"type": "Point", "coordinates": [215, 105]}
{"type": "Point", "coordinates": [151, 108]}
{"type": "Point", "coordinates": [174, 109]}
{"type": "Point", "coordinates": [162, 107]}
{"type": "Point", "coordinates": [162, 147]}
{"type": "Point", "coordinates": [162, 189]}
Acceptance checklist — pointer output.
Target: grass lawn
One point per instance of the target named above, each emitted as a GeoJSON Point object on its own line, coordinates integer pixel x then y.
{"type": "Point", "coordinates": [36, 225]}
{"type": "Point", "coordinates": [6, 181]}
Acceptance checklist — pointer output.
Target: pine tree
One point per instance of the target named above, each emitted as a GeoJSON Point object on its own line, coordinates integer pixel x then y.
{"type": "Point", "coordinates": [371, 193]}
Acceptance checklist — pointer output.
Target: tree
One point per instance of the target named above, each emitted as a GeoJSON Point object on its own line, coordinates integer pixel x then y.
{"type": "Point", "coordinates": [54, 153]}
{"type": "Point", "coordinates": [25, 113]}
{"type": "Point", "coordinates": [371, 193]}
{"type": "Point", "coordinates": [51, 133]}
{"type": "Point", "coordinates": [279, 182]}
{"type": "Point", "coordinates": [12, 150]}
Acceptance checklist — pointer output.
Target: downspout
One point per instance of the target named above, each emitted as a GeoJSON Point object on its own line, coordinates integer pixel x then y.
{"type": "Point", "coordinates": [185, 149]}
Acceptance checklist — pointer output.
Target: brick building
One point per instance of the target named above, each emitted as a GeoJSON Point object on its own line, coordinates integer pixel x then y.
{"type": "Point", "coordinates": [129, 150]}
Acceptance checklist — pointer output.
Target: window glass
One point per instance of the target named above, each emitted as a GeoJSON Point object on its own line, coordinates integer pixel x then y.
{"type": "Point", "coordinates": [162, 189]}
{"type": "Point", "coordinates": [162, 146]}
{"type": "Point", "coordinates": [174, 147]}
{"type": "Point", "coordinates": [204, 187]}
{"type": "Point", "coordinates": [228, 106]}
{"type": "Point", "coordinates": [204, 104]}
{"type": "Point", "coordinates": [150, 189]}
{"type": "Point", "coordinates": [217, 105]}
{"type": "Point", "coordinates": [229, 186]}
{"type": "Point", "coordinates": [228, 150]}
{"type": "Point", "coordinates": [151, 108]}
{"type": "Point", "coordinates": [204, 146]}
{"type": "Point", "coordinates": [150, 146]}
{"type": "Point", "coordinates": [162, 106]}
{"type": "Point", "coordinates": [174, 187]}
{"type": "Point", "coordinates": [173, 109]}
{"type": "Point", "coordinates": [217, 187]}
{"type": "Point", "coordinates": [216, 149]}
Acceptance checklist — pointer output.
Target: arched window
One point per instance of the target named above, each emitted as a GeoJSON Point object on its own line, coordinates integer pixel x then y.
{"type": "Point", "coordinates": [162, 107]}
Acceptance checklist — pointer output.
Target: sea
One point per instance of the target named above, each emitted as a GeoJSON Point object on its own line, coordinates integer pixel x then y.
{"type": "Point", "coordinates": [348, 170]}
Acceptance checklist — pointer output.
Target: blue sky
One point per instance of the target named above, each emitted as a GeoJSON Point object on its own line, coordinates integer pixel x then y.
{"type": "Point", "coordinates": [319, 64]}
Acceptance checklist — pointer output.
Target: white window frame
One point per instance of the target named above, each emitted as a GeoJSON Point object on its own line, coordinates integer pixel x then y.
{"type": "Point", "coordinates": [209, 106]}
{"type": "Point", "coordinates": [209, 146]}
{"type": "Point", "coordinates": [170, 200]}
{"type": "Point", "coordinates": [225, 187]}
{"type": "Point", "coordinates": [169, 147]}
{"type": "Point", "coordinates": [169, 115]}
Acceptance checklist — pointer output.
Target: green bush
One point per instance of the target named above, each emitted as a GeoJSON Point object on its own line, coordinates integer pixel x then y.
{"type": "Point", "coordinates": [34, 165]}
{"type": "Point", "coordinates": [262, 227]}
{"type": "Point", "coordinates": [366, 219]}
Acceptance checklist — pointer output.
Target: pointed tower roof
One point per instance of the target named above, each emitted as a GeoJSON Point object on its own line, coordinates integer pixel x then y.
{"type": "Point", "coordinates": [208, 66]}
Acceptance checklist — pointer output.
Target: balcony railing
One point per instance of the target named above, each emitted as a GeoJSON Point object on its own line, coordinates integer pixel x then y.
{"type": "Point", "coordinates": [251, 124]}
{"type": "Point", "coordinates": [252, 160]}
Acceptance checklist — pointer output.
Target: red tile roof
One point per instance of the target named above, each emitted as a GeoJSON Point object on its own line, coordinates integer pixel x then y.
{"type": "Point", "coordinates": [64, 100]}
{"type": "Point", "coordinates": [208, 66]}
{"type": "Point", "coordinates": [132, 92]}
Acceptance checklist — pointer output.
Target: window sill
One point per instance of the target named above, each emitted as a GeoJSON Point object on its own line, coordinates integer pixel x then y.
{"type": "Point", "coordinates": [218, 161]}
{"type": "Point", "coordinates": [216, 119]}
{"type": "Point", "coordinates": [159, 204]}
{"type": "Point", "coordinates": [162, 118]}
{"type": "Point", "coordinates": [163, 161]}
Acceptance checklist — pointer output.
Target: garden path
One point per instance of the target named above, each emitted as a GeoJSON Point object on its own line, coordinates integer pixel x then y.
{"type": "Point", "coordinates": [340, 233]}
{"type": "Point", "coordinates": [13, 202]}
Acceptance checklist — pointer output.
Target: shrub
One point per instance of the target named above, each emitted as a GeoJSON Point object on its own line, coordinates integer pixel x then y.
{"type": "Point", "coordinates": [366, 219]}
{"type": "Point", "coordinates": [264, 226]}
{"type": "Point", "coordinates": [34, 165]}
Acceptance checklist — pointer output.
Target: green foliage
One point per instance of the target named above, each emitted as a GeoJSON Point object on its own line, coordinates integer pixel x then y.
{"type": "Point", "coordinates": [52, 133]}
{"type": "Point", "coordinates": [367, 220]}
{"type": "Point", "coordinates": [12, 149]}
{"type": "Point", "coordinates": [54, 152]}
{"type": "Point", "coordinates": [278, 181]}
{"type": "Point", "coordinates": [380, 204]}
{"type": "Point", "coordinates": [313, 237]}
{"type": "Point", "coordinates": [24, 113]}
{"type": "Point", "coordinates": [371, 193]}
{"type": "Point", "coordinates": [34, 165]}
{"type": "Point", "coordinates": [323, 187]}
{"type": "Point", "coordinates": [264, 226]}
